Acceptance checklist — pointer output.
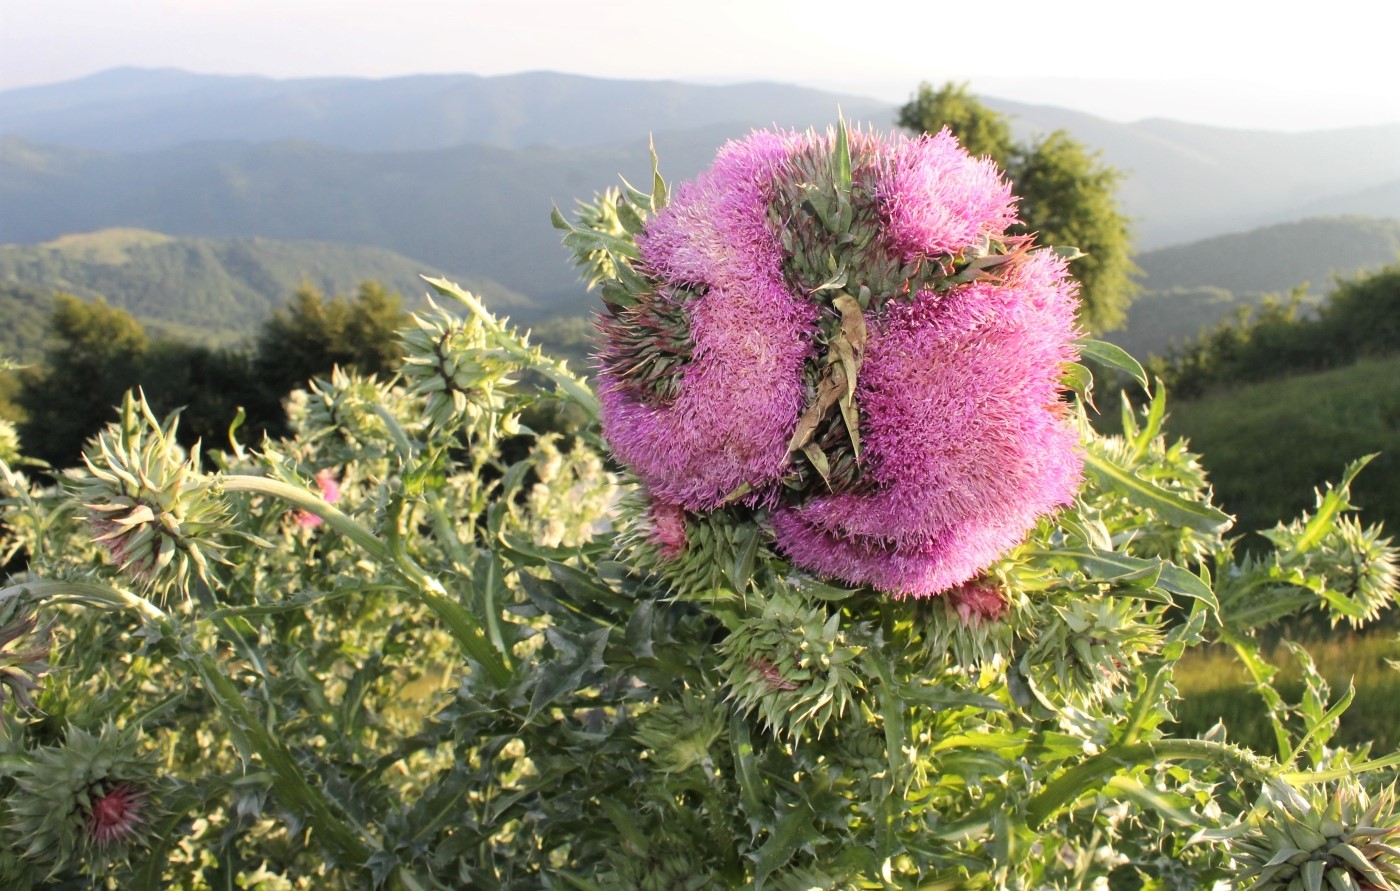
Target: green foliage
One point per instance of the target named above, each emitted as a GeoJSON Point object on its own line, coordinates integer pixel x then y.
{"type": "Point", "coordinates": [1361, 318]}
{"type": "Point", "coordinates": [435, 676]}
{"type": "Point", "coordinates": [1066, 195]}
{"type": "Point", "coordinates": [97, 353]}
{"type": "Point", "coordinates": [981, 131]}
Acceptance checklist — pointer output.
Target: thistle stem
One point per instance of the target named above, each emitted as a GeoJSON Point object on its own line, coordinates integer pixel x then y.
{"type": "Point", "coordinates": [312, 504]}
{"type": "Point", "coordinates": [465, 627]}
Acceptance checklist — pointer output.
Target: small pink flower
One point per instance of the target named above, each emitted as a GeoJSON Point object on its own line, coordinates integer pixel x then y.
{"type": "Point", "coordinates": [330, 493]}
{"type": "Point", "coordinates": [116, 815]}
{"type": "Point", "coordinates": [771, 675]}
{"type": "Point", "coordinates": [667, 532]}
{"type": "Point", "coordinates": [978, 603]}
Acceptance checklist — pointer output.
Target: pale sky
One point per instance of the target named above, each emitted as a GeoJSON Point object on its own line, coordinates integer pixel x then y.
{"type": "Point", "coordinates": [1250, 64]}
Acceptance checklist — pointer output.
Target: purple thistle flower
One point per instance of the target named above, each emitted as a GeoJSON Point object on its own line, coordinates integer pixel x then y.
{"type": "Point", "coordinates": [966, 441]}
{"type": "Point", "coordinates": [746, 329]}
{"type": "Point", "coordinates": [742, 388]}
{"type": "Point", "coordinates": [938, 199]}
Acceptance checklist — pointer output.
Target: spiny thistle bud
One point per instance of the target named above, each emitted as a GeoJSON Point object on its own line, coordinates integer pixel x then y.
{"type": "Point", "coordinates": [978, 603]}
{"type": "Point", "coordinates": [23, 648]}
{"type": "Point", "coordinates": [151, 508]}
{"type": "Point", "coordinates": [690, 552]}
{"type": "Point", "coordinates": [1350, 567]}
{"type": "Point", "coordinates": [350, 403]}
{"type": "Point", "coordinates": [1088, 645]}
{"type": "Point", "coordinates": [839, 330]}
{"type": "Point", "coordinates": [792, 663]}
{"type": "Point", "coordinates": [679, 734]}
{"type": "Point", "coordinates": [451, 363]}
{"type": "Point", "coordinates": [1311, 838]}
{"type": "Point", "coordinates": [92, 798]}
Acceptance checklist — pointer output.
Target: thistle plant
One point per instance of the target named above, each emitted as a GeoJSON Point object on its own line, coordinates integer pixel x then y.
{"type": "Point", "coordinates": [854, 596]}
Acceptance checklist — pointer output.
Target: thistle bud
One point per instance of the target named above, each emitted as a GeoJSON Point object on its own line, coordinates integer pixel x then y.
{"type": "Point", "coordinates": [793, 663]}
{"type": "Point", "coordinates": [978, 603]}
{"type": "Point", "coordinates": [452, 364]}
{"type": "Point", "coordinates": [85, 803]}
{"type": "Point", "coordinates": [150, 507]}
{"type": "Point", "coordinates": [1315, 838]}
{"type": "Point", "coordinates": [23, 648]}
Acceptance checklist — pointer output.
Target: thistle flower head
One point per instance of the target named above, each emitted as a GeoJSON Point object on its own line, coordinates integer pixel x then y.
{"type": "Point", "coordinates": [938, 199]}
{"type": "Point", "coordinates": [91, 798]}
{"type": "Point", "coordinates": [838, 328]}
{"type": "Point", "coordinates": [965, 442]}
{"type": "Point", "coordinates": [150, 507]}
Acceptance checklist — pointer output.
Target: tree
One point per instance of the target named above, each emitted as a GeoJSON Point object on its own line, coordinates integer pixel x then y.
{"type": "Point", "coordinates": [96, 354]}
{"type": "Point", "coordinates": [311, 335]}
{"type": "Point", "coordinates": [1067, 196]}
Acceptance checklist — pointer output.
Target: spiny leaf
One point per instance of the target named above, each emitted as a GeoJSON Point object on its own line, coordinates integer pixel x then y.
{"type": "Point", "coordinates": [1172, 507]}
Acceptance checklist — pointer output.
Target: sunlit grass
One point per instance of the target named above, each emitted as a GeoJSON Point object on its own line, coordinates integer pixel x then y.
{"type": "Point", "coordinates": [1215, 686]}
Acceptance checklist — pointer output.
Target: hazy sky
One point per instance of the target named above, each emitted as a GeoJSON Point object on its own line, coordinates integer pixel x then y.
{"type": "Point", "coordinates": [1275, 65]}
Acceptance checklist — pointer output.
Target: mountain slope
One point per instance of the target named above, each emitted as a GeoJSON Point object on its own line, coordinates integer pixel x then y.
{"type": "Point", "coordinates": [142, 110]}
{"type": "Point", "coordinates": [1182, 181]}
{"type": "Point", "coordinates": [1194, 286]}
{"type": "Point", "coordinates": [212, 286]}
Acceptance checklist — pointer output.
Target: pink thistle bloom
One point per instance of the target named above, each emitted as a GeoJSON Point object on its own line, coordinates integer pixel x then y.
{"type": "Point", "coordinates": [116, 815]}
{"type": "Point", "coordinates": [742, 389]}
{"type": "Point", "coordinates": [966, 441]}
{"type": "Point", "coordinates": [667, 533]}
{"type": "Point", "coordinates": [938, 199]}
{"type": "Point", "coordinates": [330, 493]}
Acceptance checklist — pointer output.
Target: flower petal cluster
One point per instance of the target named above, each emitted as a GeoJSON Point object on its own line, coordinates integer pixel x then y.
{"type": "Point", "coordinates": [837, 329]}
{"type": "Point", "coordinates": [742, 387]}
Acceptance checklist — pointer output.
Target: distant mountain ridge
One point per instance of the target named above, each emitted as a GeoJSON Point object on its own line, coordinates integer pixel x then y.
{"type": "Point", "coordinates": [132, 109]}
{"type": "Point", "coordinates": [213, 286]}
{"type": "Point", "coordinates": [1182, 181]}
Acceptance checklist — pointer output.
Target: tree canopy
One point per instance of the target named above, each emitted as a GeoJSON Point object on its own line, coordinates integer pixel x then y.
{"type": "Point", "coordinates": [1067, 195]}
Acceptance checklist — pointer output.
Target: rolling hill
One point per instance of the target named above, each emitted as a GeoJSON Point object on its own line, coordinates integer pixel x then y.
{"type": "Point", "coordinates": [210, 287]}
{"type": "Point", "coordinates": [1193, 286]}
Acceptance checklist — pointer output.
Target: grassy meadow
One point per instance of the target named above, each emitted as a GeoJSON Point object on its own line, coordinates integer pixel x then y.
{"type": "Point", "coordinates": [1215, 687]}
{"type": "Point", "coordinates": [1268, 445]}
